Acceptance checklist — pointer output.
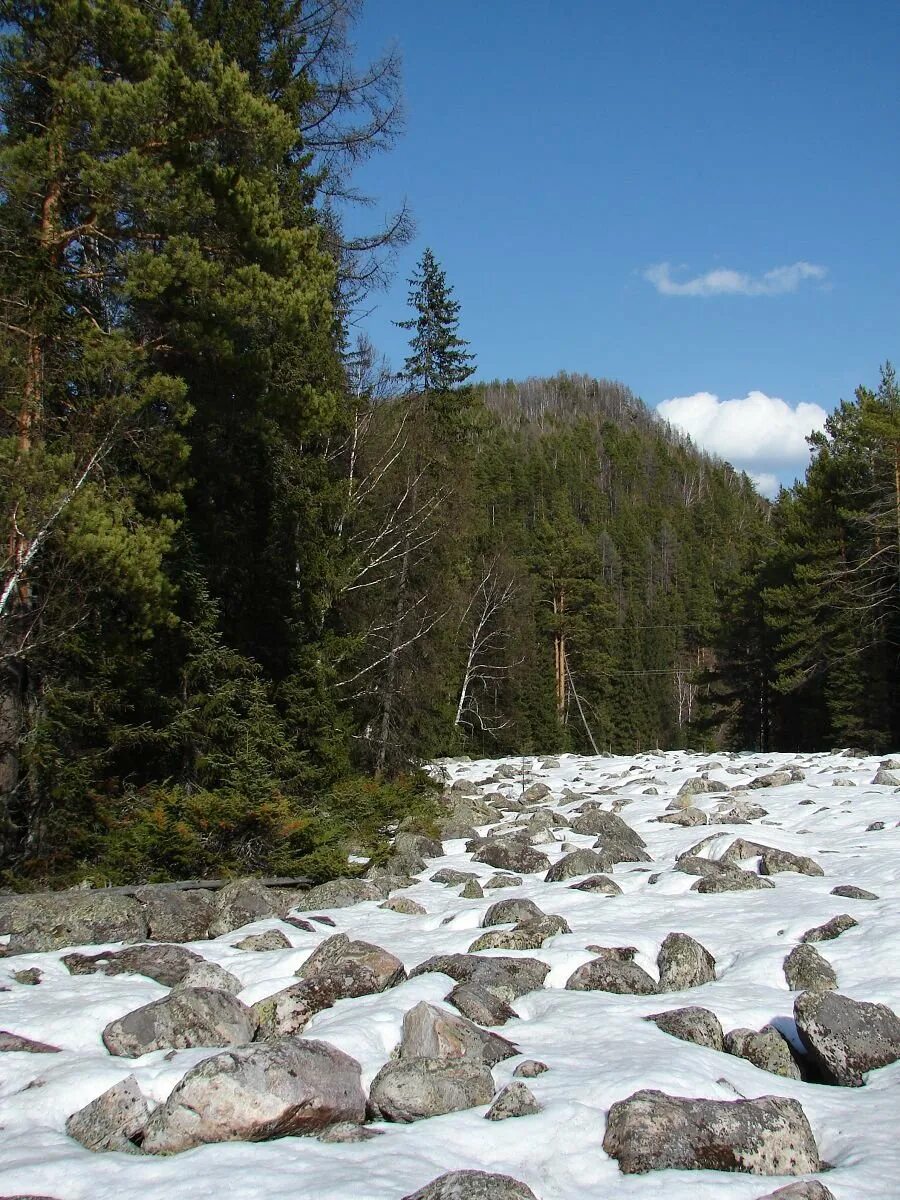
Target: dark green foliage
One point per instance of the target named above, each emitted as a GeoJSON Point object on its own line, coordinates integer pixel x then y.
{"type": "Point", "coordinates": [439, 361]}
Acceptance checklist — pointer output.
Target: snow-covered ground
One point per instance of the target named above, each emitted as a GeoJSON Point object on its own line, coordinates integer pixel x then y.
{"type": "Point", "coordinates": [596, 1044]}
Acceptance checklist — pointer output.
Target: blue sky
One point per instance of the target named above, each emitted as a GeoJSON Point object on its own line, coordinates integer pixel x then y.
{"type": "Point", "coordinates": [697, 198]}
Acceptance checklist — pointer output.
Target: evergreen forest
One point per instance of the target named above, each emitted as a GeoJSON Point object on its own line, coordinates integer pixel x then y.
{"type": "Point", "coordinates": [253, 579]}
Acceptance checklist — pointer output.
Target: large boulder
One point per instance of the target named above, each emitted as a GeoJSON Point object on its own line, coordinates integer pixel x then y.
{"type": "Point", "coordinates": [175, 915]}
{"type": "Point", "coordinates": [114, 1121]}
{"type": "Point", "coordinates": [480, 1005]}
{"type": "Point", "coordinates": [386, 967]}
{"type": "Point", "coordinates": [166, 964]}
{"type": "Point", "coordinates": [579, 862]}
{"type": "Point", "coordinates": [599, 884]}
{"type": "Point", "coordinates": [528, 935]}
{"type": "Point", "coordinates": [239, 903]}
{"type": "Point", "coordinates": [807, 1189]}
{"type": "Point", "coordinates": [511, 910]}
{"type": "Point", "coordinates": [805, 970]}
{"type": "Point", "coordinates": [831, 929]}
{"type": "Point", "coordinates": [286, 1088]}
{"type": "Point", "coordinates": [774, 861]}
{"type": "Point", "coordinates": [288, 1012]}
{"type": "Point", "coordinates": [16, 1042]}
{"type": "Point", "coordinates": [692, 1024]}
{"type": "Point", "coordinates": [186, 1017]}
{"type": "Point", "coordinates": [515, 1100]}
{"type": "Point", "coordinates": [473, 1185]}
{"type": "Point", "coordinates": [609, 827]}
{"type": "Point", "coordinates": [651, 1131]}
{"type": "Point", "coordinates": [511, 854]}
{"type": "Point", "coordinates": [731, 881]}
{"type": "Point", "coordinates": [431, 1032]}
{"type": "Point", "coordinates": [851, 892]}
{"type": "Point", "coordinates": [766, 1049]}
{"type": "Point", "coordinates": [340, 893]}
{"type": "Point", "coordinates": [412, 1089]}
{"type": "Point", "coordinates": [50, 921]}
{"type": "Point", "coordinates": [611, 974]}
{"type": "Point", "coordinates": [272, 939]}
{"type": "Point", "coordinates": [846, 1038]}
{"type": "Point", "coordinates": [684, 963]}
{"type": "Point", "coordinates": [507, 978]}
{"type": "Point", "coordinates": [210, 975]}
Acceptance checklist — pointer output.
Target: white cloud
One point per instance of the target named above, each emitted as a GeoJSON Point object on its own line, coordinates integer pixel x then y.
{"type": "Point", "coordinates": [726, 282]}
{"type": "Point", "coordinates": [766, 484]}
{"type": "Point", "coordinates": [756, 432]}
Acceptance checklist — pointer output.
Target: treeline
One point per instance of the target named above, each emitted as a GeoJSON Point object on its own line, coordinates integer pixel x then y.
{"type": "Point", "coordinates": [808, 651]}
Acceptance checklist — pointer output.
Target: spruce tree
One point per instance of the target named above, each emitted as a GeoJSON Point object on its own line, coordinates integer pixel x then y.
{"type": "Point", "coordinates": [439, 361]}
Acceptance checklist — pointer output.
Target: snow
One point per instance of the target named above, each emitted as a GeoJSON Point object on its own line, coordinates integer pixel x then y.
{"type": "Point", "coordinates": [598, 1047]}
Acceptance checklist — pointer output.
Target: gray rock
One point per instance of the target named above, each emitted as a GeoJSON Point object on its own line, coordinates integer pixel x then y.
{"type": "Point", "coordinates": [885, 778]}
{"type": "Point", "coordinates": [512, 855]}
{"type": "Point", "coordinates": [451, 877]}
{"type": "Point", "coordinates": [741, 849]}
{"type": "Point", "coordinates": [186, 1017]}
{"type": "Point", "coordinates": [612, 853]}
{"type": "Point", "coordinates": [684, 963]}
{"type": "Point", "coordinates": [345, 1133]}
{"type": "Point", "coordinates": [412, 849]}
{"type": "Point", "coordinates": [340, 893]}
{"type": "Point", "coordinates": [503, 881]}
{"type": "Point", "coordinates": [579, 862]}
{"type": "Point", "coordinates": [530, 1069]}
{"type": "Point", "coordinates": [473, 1185]}
{"type": "Point", "coordinates": [29, 977]}
{"type": "Point", "coordinates": [166, 964]}
{"type": "Point", "coordinates": [114, 1121]}
{"type": "Point", "coordinates": [608, 974]}
{"type": "Point", "coordinates": [480, 1005]}
{"type": "Point", "coordinates": [609, 826]}
{"type": "Point", "coordinates": [774, 779]}
{"type": "Point", "coordinates": [515, 1100]}
{"type": "Point", "coordinates": [288, 1012]}
{"type": "Point", "coordinates": [51, 921]}
{"type": "Point", "coordinates": [706, 868]}
{"type": "Point", "coordinates": [685, 816]}
{"type": "Point", "coordinates": [238, 903]}
{"type": "Point", "coordinates": [386, 967]}
{"type": "Point", "coordinates": [210, 975]}
{"type": "Point", "coordinates": [846, 1038]}
{"type": "Point", "coordinates": [272, 939]}
{"type": "Point", "coordinates": [766, 1049]}
{"type": "Point", "coordinates": [738, 812]}
{"type": "Point", "coordinates": [286, 1088]}
{"type": "Point", "coordinates": [697, 787]}
{"type": "Point", "coordinates": [511, 910]}
{"type": "Point", "coordinates": [774, 861]}
{"type": "Point", "coordinates": [299, 923]}
{"type": "Point", "coordinates": [850, 892]}
{"type": "Point", "coordinates": [831, 929]}
{"type": "Point", "coordinates": [463, 787]}
{"type": "Point", "coordinates": [472, 891]}
{"type": "Point", "coordinates": [600, 884]}
{"type": "Point", "coordinates": [176, 916]}
{"type": "Point", "coordinates": [808, 1189]}
{"type": "Point", "coordinates": [805, 970]}
{"type": "Point", "coordinates": [405, 906]}
{"type": "Point", "coordinates": [528, 935]}
{"type": "Point", "coordinates": [652, 1131]}
{"type": "Point", "coordinates": [412, 1089]}
{"type": "Point", "coordinates": [431, 1032]}
{"type": "Point", "coordinates": [507, 978]}
{"type": "Point", "coordinates": [696, 1025]}
{"type": "Point", "coordinates": [10, 1042]}
{"type": "Point", "coordinates": [536, 791]}
{"type": "Point", "coordinates": [731, 881]}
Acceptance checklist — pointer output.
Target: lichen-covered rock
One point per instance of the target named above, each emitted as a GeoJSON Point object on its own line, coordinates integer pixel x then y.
{"type": "Point", "coordinates": [774, 861]}
{"type": "Point", "coordinates": [174, 915]}
{"type": "Point", "coordinates": [340, 893]}
{"type": "Point", "coordinates": [850, 892]}
{"type": "Point", "coordinates": [114, 1121]}
{"type": "Point", "coordinates": [51, 921]}
{"type": "Point", "coordinates": [686, 817]}
{"type": "Point", "coordinates": [166, 964]}
{"type": "Point", "coordinates": [692, 1024]}
{"type": "Point", "coordinates": [652, 1131]}
{"type": "Point", "coordinates": [846, 1038]}
{"type": "Point", "coordinates": [831, 929]}
{"type": "Point", "coordinates": [502, 881]}
{"type": "Point", "coordinates": [807, 1189]}
{"type": "Point", "coordinates": [507, 978]}
{"type": "Point", "coordinates": [530, 1069]}
{"type": "Point", "coordinates": [511, 854]}
{"type": "Point", "coordinates": [579, 862]}
{"type": "Point", "coordinates": [412, 1089]}
{"type": "Point", "coordinates": [698, 787]}
{"type": "Point", "coordinates": [528, 935]}
{"type": "Point", "coordinates": [731, 881]}
{"type": "Point", "coordinates": [472, 890]}
{"type": "Point", "coordinates": [405, 906]}
{"type": "Point", "coordinates": [287, 1013]}
{"type": "Point", "coordinates": [240, 902]}
{"type": "Point", "coordinates": [766, 1049]}
{"type": "Point", "coordinates": [431, 1032]}
{"type": "Point", "coordinates": [386, 967]}
{"type": "Point", "coordinates": [473, 1185]}
{"type": "Point", "coordinates": [511, 910]}
{"type": "Point", "coordinates": [607, 826]}
{"type": "Point", "coordinates": [12, 1042]}
{"type": "Point", "coordinates": [210, 975]}
{"type": "Point", "coordinates": [684, 963]}
{"type": "Point", "coordinates": [609, 974]}
{"type": "Point", "coordinates": [450, 877]}
{"type": "Point", "coordinates": [480, 1005]}
{"type": "Point", "coordinates": [773, 779]}
{"type": "Point", "coordinates": [599, 884]}
{"type": "Point", "coordinates": [286, 1088]}
{"type": "Point", "coordinates": [515, 1100]}
{"type": "Point", "coordinates": [186, 1017]}
{"type": "Point", "coordinates": [805, 970]}
{"type": "Point", "coordinates": [271, 939]}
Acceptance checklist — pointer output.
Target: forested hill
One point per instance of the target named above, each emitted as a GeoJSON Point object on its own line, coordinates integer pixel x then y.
{"type": "Point", "coordinates": [584, 551]}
